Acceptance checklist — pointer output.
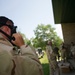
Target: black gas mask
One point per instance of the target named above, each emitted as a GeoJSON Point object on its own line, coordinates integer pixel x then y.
{"type": "Point", "coordinates": [3, 21]}
{"type": "Point", "coordinates": [13, 30]}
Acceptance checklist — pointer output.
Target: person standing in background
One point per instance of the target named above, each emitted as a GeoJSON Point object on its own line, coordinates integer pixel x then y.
{"type": "Point", "coordinates": [51, 55]}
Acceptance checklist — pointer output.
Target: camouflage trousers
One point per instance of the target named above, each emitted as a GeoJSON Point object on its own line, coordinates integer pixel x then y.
{"type": "Point", "coordinates": [54, 71]}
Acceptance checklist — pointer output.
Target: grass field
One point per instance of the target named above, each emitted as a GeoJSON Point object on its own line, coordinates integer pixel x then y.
{"type": "Point", "coordinates": [45, 64]}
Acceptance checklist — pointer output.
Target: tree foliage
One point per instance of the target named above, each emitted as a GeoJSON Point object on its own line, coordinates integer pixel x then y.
{"type": "Point", "coordinates": [44, 33]}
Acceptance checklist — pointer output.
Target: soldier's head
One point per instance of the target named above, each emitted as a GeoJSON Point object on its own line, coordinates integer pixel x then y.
{"type": "Point", "coordinates": [49, 42]}
{"type": "Point", "coordinates": [6, 26]}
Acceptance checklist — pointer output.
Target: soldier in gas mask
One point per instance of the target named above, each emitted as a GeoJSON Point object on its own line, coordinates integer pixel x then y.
{"type": "Point", "coordinates": [16, 58]}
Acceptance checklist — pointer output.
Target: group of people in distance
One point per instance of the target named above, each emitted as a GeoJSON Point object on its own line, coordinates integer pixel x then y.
{"type": "Point", "coordinates": [66, 53]}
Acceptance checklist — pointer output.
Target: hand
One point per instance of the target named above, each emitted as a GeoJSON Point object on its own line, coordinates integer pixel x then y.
{"type": "Point", "coordinates": [18, 39]}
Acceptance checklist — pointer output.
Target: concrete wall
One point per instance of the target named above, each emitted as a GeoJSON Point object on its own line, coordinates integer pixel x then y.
{"type": "Point", "coordinates": [68, 30]}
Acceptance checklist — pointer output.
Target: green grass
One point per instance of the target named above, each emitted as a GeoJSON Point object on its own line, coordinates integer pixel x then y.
{"type": "Point", "coordinates": [45, 64]}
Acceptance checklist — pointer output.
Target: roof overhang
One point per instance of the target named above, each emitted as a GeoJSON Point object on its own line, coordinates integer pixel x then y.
{"type": "Point", "coordinates": [64, 11]}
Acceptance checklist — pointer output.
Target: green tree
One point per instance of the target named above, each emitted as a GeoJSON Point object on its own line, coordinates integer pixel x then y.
{"type": "Point", "coordinates": [44, 33]}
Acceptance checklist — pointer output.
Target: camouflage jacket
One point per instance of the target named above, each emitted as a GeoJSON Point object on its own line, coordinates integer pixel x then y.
{"type": "Point", "coordinates": [13, 63]}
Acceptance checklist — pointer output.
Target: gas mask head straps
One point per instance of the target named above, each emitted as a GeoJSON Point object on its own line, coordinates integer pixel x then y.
{"type": "Point", "coordinates": [3, 21]}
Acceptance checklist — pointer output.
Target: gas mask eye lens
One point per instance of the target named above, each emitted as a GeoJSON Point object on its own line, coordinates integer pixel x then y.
{"type": "Point", "coordinates": [14, 29]}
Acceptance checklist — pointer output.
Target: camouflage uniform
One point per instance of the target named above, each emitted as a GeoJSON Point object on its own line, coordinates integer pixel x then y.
{"type": "Point", "coordinates": [64, 53]}
{"type": "Point", "coordinates": [13, 62]}
{"type": "Point", "coordinates": [73, 51]}
{"type": "Point", "coordinates": [54, 69]}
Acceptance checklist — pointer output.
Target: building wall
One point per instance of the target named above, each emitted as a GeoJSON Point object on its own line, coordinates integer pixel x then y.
{"type": "Point", "coordinates": [68, 30]}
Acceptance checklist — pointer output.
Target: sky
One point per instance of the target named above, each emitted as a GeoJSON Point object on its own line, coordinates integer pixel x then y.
{"type": "Point", "coordinates": [27, 14]}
